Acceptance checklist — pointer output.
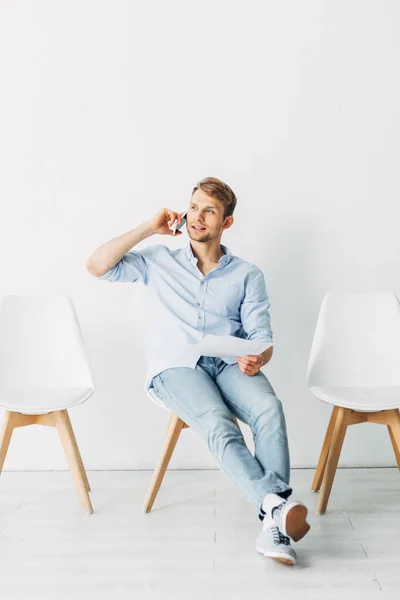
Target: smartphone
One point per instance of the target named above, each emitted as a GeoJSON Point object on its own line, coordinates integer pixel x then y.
{"type": "Point", "coordinates": [175, 227]}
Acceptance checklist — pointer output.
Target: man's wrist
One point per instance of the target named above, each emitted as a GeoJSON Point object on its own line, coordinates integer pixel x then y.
{"type": "Point", "coordinates": [266, 355]}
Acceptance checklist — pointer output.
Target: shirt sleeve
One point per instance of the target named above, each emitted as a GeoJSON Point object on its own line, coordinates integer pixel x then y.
{"type": "Point", "coordinates": [134, 266]}
{"type": "Point", "coordinates": [254, 310]}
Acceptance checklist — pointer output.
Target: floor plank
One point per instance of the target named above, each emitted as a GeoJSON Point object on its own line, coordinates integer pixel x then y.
{"type": "Point", "coordinates": [197, 542]}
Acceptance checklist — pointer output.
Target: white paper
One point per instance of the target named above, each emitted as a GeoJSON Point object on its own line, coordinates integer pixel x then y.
{"type": "Point", "coordinates": [229, 346]}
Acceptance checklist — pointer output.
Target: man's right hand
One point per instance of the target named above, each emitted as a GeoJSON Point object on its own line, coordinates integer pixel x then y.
{"type": "Point", "coordinates": [164, 219]}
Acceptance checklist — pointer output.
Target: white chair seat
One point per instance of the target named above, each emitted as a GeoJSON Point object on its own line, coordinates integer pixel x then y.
{"type": "Point", "coordinates": [355, 355]}
{"type": "Point", "coordinates": [43, 372]}
{"type": "Point", "coordinates": [354, 365]}
{"type": "Point", "coordinates": [39, 402]}
{"type": "Point", "coordinates": [365, 399]}
{"type": "Point", "coordinates": [151, 392]}
{"type": "Point", "coordinates": [43, 362]}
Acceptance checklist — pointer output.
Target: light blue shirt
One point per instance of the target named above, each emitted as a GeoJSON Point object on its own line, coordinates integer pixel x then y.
{"type": "Point", "coordinates": [185, 305]}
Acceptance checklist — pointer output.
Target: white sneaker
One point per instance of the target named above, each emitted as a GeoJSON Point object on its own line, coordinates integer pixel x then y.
{"type": "Point", "coordinates": [272, 543]}
{"type": "Point", "coordinates": [290, 517]}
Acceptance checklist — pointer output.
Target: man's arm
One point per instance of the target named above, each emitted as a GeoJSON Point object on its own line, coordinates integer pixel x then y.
{"type": "Point", "coordinates": [267, 355]}
{"type": "Point", "coordinates": [110, 253]}
{"type": "Point", "coordinates": [255, 317]}
{"type": "Point", "coordinates": [107, 255]}
{"type": "Point", "coordinates": [254, 310]}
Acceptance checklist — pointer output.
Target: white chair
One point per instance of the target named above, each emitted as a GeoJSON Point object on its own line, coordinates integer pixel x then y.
{"type": "Point", "coordinates": [43, 372]}
{"type": "Point", "coordinates": [354, 365]}
{"type": "Point", "coordinates": [175, 426]}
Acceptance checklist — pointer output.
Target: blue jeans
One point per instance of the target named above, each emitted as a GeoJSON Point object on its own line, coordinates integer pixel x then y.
{"type": "Point", "coordinates": [206, 397]}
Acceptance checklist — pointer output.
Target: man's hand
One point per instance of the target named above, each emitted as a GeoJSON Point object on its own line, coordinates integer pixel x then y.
{"type": "Point", "coordinates": [162, 221]}
{"type": "Point", "coordinates": [250, 364]}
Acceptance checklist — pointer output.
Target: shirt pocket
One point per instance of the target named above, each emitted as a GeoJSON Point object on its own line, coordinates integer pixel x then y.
{"type": "Point", "coordinates": [225, 301]}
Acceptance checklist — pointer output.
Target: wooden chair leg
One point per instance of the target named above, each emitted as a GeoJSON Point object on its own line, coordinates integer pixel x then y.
{"type": "Point", "coordinates": [320, 470]}
{"type": "Point", "coordinates": [236, 421]}
{"type": "Point", "coordinates": [78, 454]}
{"type": "Point", "coordinates": [394, 432]}
{"type": "Point", "coordinates": [64, 429]}
{"type": "Point", "coordinates": [175, 427]}
{"type": "Point", "coordinates": [5, 436]}
{"type": "Point", "coordinates": [339, 432]}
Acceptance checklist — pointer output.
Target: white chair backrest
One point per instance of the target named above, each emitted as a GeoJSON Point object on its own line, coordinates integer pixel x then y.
{"type": "Point", "coordinates": [356, 341]}
{"type": "Point", "coordinates": [41, 344]}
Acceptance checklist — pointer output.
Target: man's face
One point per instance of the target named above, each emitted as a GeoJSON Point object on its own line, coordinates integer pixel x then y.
{"type": "Point", "coordinates": [205, 217]}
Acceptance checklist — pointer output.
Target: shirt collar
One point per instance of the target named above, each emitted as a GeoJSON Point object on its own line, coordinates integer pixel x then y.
{"type": "Point", "coordinates": [222, 261]}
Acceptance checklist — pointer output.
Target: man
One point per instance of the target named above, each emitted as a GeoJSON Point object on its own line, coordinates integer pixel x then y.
{"type": "Point", "coordinates": [203, 288]}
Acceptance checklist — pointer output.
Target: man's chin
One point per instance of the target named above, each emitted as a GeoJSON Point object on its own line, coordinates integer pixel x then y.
{"type": "Point", "coordinates": [199, 238]}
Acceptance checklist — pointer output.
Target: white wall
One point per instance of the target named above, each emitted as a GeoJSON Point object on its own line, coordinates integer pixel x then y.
{"type": "Point", "coordinates": [111, 110]}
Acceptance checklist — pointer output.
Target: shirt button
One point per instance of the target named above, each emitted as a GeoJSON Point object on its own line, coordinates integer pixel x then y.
{"type": "Point", "coordinates": [201, 282]}
{"type": "Point", "coordinates": [197, 303]}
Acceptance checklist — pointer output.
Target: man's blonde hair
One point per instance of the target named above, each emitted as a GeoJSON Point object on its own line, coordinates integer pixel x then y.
{"type": "Point", "coordinates": [221, 191]}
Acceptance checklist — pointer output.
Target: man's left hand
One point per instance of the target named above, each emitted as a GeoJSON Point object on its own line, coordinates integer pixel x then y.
{"type": "Point", "coordinates": [250, 364]}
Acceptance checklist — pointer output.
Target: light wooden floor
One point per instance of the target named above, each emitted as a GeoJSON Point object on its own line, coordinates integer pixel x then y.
{"type": "Point", "coordinates": [197, 543]}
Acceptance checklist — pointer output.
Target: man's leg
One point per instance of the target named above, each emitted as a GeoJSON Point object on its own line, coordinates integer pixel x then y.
{"type": "Point", "coordinates": [193, 395]}
{"type": "Point", "coordinates": [252, 400]}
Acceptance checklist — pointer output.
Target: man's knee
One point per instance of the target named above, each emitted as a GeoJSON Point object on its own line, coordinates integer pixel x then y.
{"type": "Point", "coordinates": [270, 408]}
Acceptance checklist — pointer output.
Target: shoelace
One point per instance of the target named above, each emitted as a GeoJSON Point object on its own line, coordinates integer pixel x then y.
{"type": "Point", "coordinates": [278, 537]}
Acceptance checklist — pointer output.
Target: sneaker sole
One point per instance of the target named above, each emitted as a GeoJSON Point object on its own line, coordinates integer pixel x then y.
{"type": "Point", "coordinates": [294, 522]}
{"type": "Point", "coordinates": [288, 560]}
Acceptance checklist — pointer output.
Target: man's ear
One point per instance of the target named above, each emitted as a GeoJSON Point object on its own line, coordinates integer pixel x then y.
{"type": "Point", "coordinates": [228, 222]}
